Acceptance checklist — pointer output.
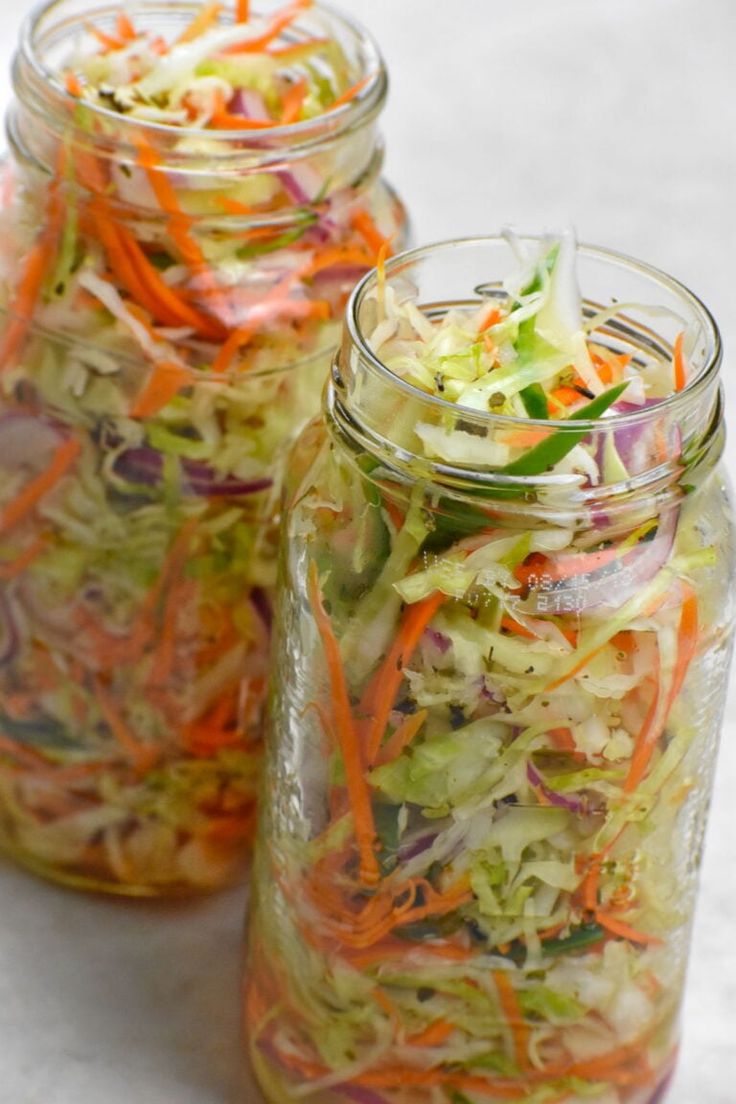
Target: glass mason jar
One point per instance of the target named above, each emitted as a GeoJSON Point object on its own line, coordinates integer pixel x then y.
{"type": "Point", "coordinates": [496, 705]}
{"type": "Point", "coordinates": [169, 302]}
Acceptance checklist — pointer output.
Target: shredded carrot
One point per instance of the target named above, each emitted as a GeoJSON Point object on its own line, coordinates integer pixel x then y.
{"type": "Point", "coordinates": [234, 206]}
{"type": "Point", "coordinates": [125, 30]}
{"type": "Point", "coordinates": [142, 756]}
{"type": "Point", "coordinates": [108, 42]}
{"type": "Point", "coordinates": [166, 379]}
{"type": "Point", "coordinates": [73, 85]}
{"type": "Point", "coordinates": [563, 740]}
{"type": "Point", "coordinates": [329, 258]}
{"type": "Point", "coordinates": [514, 1017]}
{"type": "Point", "coordinates": [678, 363]}
{"type": "Point", "coordinates": [579, 666]}
{"type": "Point", "coordinates": [491, 318]}
{"type": "Point", "coordinates": [293, 102]}
{"type": "Point", "coordinates": [202, 22]}
{"type": "Point", "coordinates": [525, 438]}
{"type": "Point", "coordinates": [380, 695]}
{"type": "Point", "coordinates": [224, 120]}
{"type": "Point", "coordinates": [369, 232]}
{"type": "Point", "coordinates": [365, 831]}
{"type": "Point", "coordinates": [566, 396]}
{"type": "Point", "coordinates": [617, 927]}
{"type": "Point", "coordinates": [279, 23]}
{"type": "Point", "coordinates": [230, 348]}
{"type": "Point", "coordinates": [9, 569]}
{"type": "Point", "coordinates": [181, 591]}
{"type": "Point", "coordinates": [404, 735]}
{"type": "Point", "coordinates": [33, 492]}
{"type": "Point", "coordinates": [35, 268]}
{"type": "Point", "coordinates": [589, 888]}
{"type": "Point", "coordinates": [350, 93]}
{"type": "Point", "coordinates": [435, 1035]}
{"type": "Point", "coordinates": [242, 11]}
{"type": "Point", "coordinates": [687, 642]}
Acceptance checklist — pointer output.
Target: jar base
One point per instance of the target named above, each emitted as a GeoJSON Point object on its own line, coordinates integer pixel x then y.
{"type": "Point", "coordinates": [73, 876]}
{"type": "Point", "coordinates": [273, 1090]}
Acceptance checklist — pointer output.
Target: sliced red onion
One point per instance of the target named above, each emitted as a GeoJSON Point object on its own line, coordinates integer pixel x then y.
{"type": "Point", "coordinates": [573, 804]}
{"type": "Point", "coordinates": [26, 439]}
{"type": "Point", "coordinates": [293, 188]}
{"type": "Point", "coordinates": [441, 642]}
{"type": "Point", "coordinates": [145, 465]}
{"type": "Point", "coordinates": [417, 847]}
{"type": "Point", "coordinates": [301, 182]}
{"type": "Point", "coordinates": [662, 1091]}
{"type": "Point", "coordinates": [249, 103]}
{"type": "Point", "coordinates": [262, 605]}
{"type": "Point", "coordinates": [9, 635]}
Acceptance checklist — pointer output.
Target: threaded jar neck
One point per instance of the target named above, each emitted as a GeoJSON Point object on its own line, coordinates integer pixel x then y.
{"type": "Point", "coordinates": [372, 410]}
{"type": "Point", "coordinates": [311, 159]}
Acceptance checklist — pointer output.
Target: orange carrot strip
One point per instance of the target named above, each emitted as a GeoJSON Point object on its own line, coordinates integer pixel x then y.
{"type": "Point", "coordinates": [35, 267]}
{"type": "Point", "coordinates": [491, 318]}
{"type": "Point", "coordinates": [167, 305]}
{"type": "Point", "coordinates": [645, 743]}
{"type": "Point", "coordinates": [678, 363]}
{"type": "Point", "coordinates": [224, 120]}
{"type": "Point", "coordinates": [108, 42]}
{"type": "Point", "coordinates": [34, 491]}
{"type": "Point", "coordinates": [566, 396]}
{"type": "Point", "coordinates": [434, 1035]}
{"type": "Point", "coordinates": [402, 737]}
{"type": "Point", "coordinates": [293, 102]}
{"type": "Point", "coordinates": [362, 222]}
{"type": "Point", "coordinates": [242, 11]}
{"type": "Point", "coordinates": [202, 22]}
{"type": "Point", "coordinates": [230, 348]}
{"type": "Point", "coordinates": [512, 626]}
{"type": "Point", "coordinates": [365, 830]}
{"type": "Point", "coordinates": [125, 30]}
{"type": "Point", "coordinates": [329, 258]}
{"type": "Point", "coordinates": [11, 568]}
{"type": "Point", "coordinates": [617, 927]}
{"type": "Point", "coordinates": [73, 85]}
{"type": "Point", "coordinates": [589, 888]}
{"type": "Point", "coordinates": [514, 1017]}
{"type": "Point", "coordinates": [235, 207]}
{"type": "Point", "coordinates": [166, 379]}
{"type": "Point", "coordinates": [687, 643]}
{"type": "Point", "coordinates": [380, 695]}
{"type": "Point", "coordinates": [142, 756]}
{"type": "Point", "coordinates": [350, 93]}
{"type": "Point", "coordinates": [580, 666]}
{"type": "Point", "coordinates": [279, 23]}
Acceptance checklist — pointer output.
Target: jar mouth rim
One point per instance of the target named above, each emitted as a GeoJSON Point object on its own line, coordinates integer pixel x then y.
{"type": "Point", "coordinates": [694, 386]}
{"type": "Point", "coordinates": [293, 136]}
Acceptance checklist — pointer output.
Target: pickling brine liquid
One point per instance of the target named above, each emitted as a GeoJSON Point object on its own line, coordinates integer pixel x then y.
{"type": "Point", "coordinates": [494, 718]}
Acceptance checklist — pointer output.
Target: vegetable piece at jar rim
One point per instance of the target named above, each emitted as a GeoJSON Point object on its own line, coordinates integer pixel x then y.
{"type": "Point", "coordinates": [482, 904]}
{"type": "Point", "coordinates": [167, 328]}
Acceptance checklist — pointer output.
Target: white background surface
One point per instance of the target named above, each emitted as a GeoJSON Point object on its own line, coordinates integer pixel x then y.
{"type": "Point", "coordinates": [618, 115]}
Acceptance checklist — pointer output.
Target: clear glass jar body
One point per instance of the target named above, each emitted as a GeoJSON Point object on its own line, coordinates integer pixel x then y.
{"type": "Point", "coordinates": [170, 302]}
{"type": "Point", "coordinates": [495, 713]}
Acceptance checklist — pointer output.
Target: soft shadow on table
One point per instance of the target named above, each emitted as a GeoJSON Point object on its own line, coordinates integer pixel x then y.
{"type": "Point", "coordinates": [143, 994]}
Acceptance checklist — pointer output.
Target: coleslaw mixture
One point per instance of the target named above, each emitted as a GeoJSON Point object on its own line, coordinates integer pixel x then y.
{"type": "Point", "coordinates": [170, 296]}
{"type": "Point", "coordinates": [486, 792]}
